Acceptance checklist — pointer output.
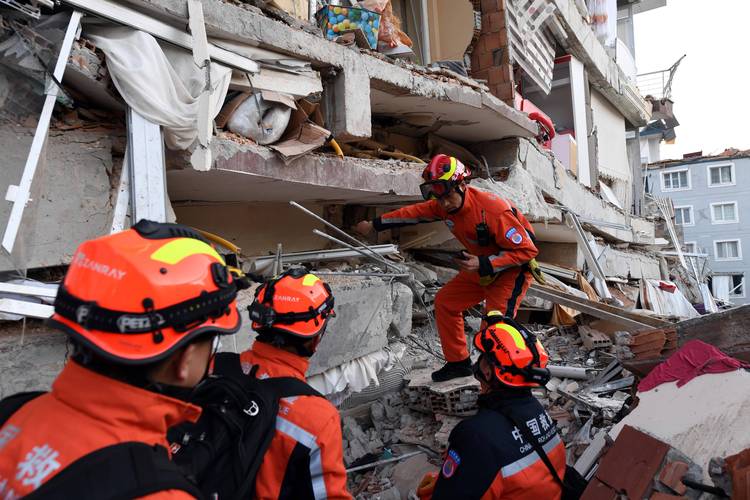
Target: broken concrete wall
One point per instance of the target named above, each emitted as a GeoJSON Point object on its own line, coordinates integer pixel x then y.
{"type": "Point", "coordinates": [30, 357]}
{"type": "Point", "coordinates": [366, 312]}
{"type": "Point", "coordinates": [256, 227]}
{"type": "Point", "coordinates": [630, 264]}
{"type": "Point", "coordinates": [560, 254]}
{"type": "Point", "coordinates": [551, 177]}
{"type": "Point", "coordinates": [70, 193]}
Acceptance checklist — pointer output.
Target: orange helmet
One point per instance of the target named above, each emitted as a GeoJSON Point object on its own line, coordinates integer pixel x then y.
{"type": "Point", "coordinates": [442, 175]}
{"type": "Point", "coordinates": [517, 357]}
{"type": "Point", "coordinates": [296, 302]}
{"type": "Point", "coordinates": [137, 296]}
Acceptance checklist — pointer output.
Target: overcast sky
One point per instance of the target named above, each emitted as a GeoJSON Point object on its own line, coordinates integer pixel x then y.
{"type": "Point", "coordinates": [711, 86]}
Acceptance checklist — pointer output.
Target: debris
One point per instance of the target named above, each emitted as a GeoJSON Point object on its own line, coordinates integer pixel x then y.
{"type": "Point", "coordinates": [258, 119]}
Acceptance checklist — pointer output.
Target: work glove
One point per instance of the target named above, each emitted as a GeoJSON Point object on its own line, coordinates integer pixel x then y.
{"type": "Point", "coordinates": [427, 486]}
{"type": "Point", "coordinates": [536, 272]}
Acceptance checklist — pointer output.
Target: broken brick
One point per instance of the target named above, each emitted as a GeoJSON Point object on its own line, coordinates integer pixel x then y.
{"type": "Point", "coordinates": [672, 474]}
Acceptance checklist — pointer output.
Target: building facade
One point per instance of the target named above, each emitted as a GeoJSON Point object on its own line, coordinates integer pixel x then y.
{"type": "Point", "coordinates": [711, 197]}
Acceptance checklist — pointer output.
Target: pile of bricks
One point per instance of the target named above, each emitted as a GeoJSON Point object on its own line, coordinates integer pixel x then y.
{"type": "Point", "coordinates": [652, 343]}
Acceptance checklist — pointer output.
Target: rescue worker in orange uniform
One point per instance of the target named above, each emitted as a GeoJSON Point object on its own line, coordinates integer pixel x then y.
{"type": "Point", "coordinates": [499, 244]}
{"type": "Point", "coordinates": [142, 309]}
{"type": "Point", "coordinates": [305, 459]}
{"type": "Point", "coordinates": [490, 455]}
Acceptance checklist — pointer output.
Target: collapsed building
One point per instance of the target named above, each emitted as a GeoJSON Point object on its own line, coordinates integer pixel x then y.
{"type": "Point", "coordinates": [218, 114]}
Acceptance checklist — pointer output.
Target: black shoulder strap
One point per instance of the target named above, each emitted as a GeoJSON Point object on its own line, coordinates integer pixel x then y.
{"type": "Point", "coordinates": [534, 443]}
{"type": "Point", "coordinates": [11, 404]}
{"type": "Point", "coordinates": [285, 387]}
{"type": "Point", "coordinates": [119, 472]}
{"type": "Point", "coordinates": [228, 364]}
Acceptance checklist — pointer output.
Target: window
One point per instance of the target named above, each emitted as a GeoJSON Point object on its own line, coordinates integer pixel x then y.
{"type": "Point", "coordinates": [690, 247]}
{"type": "Point", "coordinates": [727, 286]}
{"type": "Point", "coordinates": [683, 216]}
{"type": "Point", "coordinates": [724, 213]}
{"type": "Point", "coordinates": [727, 250]}
{"type": "Point", "coordinates": [721, 175]}
{"type": "Point", "coordinates": [675, 180]}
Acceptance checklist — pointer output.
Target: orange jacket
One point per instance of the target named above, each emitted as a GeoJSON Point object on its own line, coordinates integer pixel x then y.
{"type": "Point", "coordinates": [306, 457]}
{"type": "Point", "coordinates": [84, 412]}
{"type": "Point", "coordinates": [511, 242]}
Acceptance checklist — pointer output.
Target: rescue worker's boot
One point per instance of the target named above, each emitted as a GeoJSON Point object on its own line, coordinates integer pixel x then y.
{"type": "Point", "coordinates": [453, 369]}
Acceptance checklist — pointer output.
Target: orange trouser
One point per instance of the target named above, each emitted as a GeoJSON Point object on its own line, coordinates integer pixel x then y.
{"type": "Point", "coordinates": [464, 291]}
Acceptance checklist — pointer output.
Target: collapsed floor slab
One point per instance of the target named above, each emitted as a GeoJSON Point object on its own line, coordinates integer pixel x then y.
{"type": "Point", "coordinates": [246, 172]}
{"type": "Point", "coordinates": [364, 84]}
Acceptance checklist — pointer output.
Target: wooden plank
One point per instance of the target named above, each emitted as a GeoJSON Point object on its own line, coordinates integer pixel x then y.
{"type": "Point", "coordinates": [632, 320]}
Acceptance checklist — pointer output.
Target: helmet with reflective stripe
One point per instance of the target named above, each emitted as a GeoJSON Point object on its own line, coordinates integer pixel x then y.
{"type": "Point", "coordinates": [296, 303]}
{"type": "Point", "coordinates": [516, 356]}
{"type": "Point", "coordinates": [441, 175]}
{"type": "Point", "coordinates": [137, 296]}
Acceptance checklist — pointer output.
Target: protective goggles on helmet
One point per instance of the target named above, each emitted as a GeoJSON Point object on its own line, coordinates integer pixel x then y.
{"type": "Point", "coordinates": [436, 190]}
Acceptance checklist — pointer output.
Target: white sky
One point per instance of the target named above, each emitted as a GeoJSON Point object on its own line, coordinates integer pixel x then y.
{"type": "Point", "coordinates": [711, 86]}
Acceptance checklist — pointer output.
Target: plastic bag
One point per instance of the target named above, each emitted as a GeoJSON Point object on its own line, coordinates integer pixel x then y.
{"type": "Point", "coordinates": [390, 25]}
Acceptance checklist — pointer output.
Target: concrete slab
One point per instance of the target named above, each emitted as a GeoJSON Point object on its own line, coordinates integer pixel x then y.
{"type": "Point", "coordinates": [30, 357]}
{"type": "Point", "coordinates": [244, 172]}
{"type": "Point", "coordinates": [70, 194]}
{"type": "Point", "coordinates": [351, 114]}
{"type": "Point", "coordinates": [366, 312]}
{"type": "Point", "coordinates": [554, 181]}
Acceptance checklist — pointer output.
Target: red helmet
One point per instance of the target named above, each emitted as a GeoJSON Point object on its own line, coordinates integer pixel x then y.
{"type": "Point", "coordinates": [296, 302]}
{"type": "Point", "coordinates": [442, 175]}
{"type": "Point", "coordinates": [517, 357]}
{"type": "Point", "coordinates": [137, 296]}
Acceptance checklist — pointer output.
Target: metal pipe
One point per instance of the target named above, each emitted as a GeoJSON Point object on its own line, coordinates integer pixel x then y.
{"type": "Point", "coordinates": [376, 258]}
{"type": "Point", "coordinates": [340, 231]}
{"type": "Point", "coordinates": [568, 372]}
{"type": "Point", "coordinates": [383, 462]}
{"type": "Point", "coordinates": [425, 33]}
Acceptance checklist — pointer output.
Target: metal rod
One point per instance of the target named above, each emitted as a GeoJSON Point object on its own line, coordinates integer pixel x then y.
{"type": "Point", "coordinates": [277, 261]}
{"type": "Point", "coordinates": [364, 275]}
{"type": "Point", "coordinates": [568, 372]}
{"type": "Point", "coordinates": [340, 231]}
{"type": "Point", "coordinates": [383, 462]}
{"type": "Point", "coordinates": [376, 257]}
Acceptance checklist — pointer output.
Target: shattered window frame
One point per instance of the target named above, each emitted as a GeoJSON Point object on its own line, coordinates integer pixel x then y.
{"type": "Point", "coordinates": [669, 175]}
{"type": "Point", "coordinates": [739, 287]}
{"type": "Point", "coordinates": [690, 247]}
{"type": "Point", "coordinates": [725, 244]}
{"type": "Point", "coordinates": [723, 219]}
{"type": "Point", "coordinates": [720, 167]}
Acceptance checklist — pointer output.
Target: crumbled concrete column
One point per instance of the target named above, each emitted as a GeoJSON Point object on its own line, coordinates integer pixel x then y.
{"type": "Point", "coordinates": [347, 97]}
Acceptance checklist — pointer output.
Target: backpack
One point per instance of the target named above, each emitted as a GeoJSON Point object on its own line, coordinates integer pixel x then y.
{"type": "Point", "coordinates": [223, 451]}
{"type": "Point", "coordinates": [118, 472]}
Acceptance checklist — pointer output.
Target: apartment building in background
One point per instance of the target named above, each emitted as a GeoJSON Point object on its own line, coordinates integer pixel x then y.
{"type": "Point", "coordinates": [711, 197]}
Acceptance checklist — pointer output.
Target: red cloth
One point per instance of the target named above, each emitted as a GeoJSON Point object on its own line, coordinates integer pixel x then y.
{"type": "Point", "coordinates": [693, 359]}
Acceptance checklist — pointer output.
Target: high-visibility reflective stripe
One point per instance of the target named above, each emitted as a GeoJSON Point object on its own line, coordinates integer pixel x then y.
{"type": "Point", "coordinates": [447, 176]}
{"type": "Point", "coordinates": [530, 459]}
{"type": "Point", "coordinates": [308, 440]}
{"type": "Point", "coordinates": [310, 280]}
{"type": "Point", "coordinates": [177, 250]}
{"type": "Point", "coordinates": [517, 338]}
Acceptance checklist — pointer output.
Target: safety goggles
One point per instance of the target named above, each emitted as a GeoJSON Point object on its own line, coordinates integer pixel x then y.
{"type": "Point", "coordinates": [436, 189]}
